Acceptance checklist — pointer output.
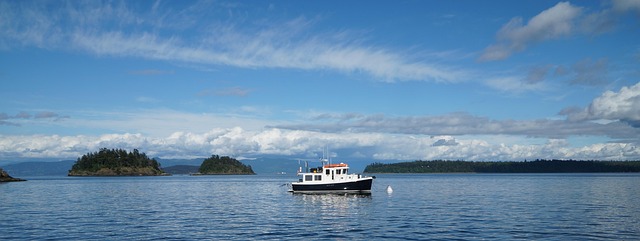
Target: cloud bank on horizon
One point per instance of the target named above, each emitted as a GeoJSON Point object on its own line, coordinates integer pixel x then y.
{"type": "Point", "coordinates": [401, 81]}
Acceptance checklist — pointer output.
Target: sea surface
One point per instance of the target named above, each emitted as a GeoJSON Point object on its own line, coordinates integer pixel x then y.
{"type": "Point", "coordinates": [258, 207]}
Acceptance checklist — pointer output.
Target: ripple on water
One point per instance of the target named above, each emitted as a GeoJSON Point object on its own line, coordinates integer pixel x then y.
{"type": "Point", "coordinates": [422, 207]}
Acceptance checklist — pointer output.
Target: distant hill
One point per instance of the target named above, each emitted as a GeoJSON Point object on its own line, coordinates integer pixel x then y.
{"type": "Point", "coordinates": [217, 165]}
{"type": "Point", "coordinates": [262, 165]}
{"type": "Point", "coordinates": [272, 165]}
{"type": "Point", "coordinates": [181, 169]}
{"type": "Point", "coordinates": [176, 162]}
{"type": "Point", "coordinates": [41, 168]}
{"type": "Point", "coordinates": [538, 166]}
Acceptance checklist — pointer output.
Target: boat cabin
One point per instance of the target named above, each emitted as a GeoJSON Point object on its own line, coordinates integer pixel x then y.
{"type": "Point", "coordinates": [328, 173]}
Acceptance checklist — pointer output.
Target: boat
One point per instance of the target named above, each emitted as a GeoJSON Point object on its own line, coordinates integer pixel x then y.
{"type": "Point", "coordinates": [331, 178]}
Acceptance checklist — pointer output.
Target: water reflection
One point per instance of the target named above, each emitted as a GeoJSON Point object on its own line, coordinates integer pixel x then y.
{"type": "Point", "coordinates": [360, 195]}
{"type": "Point", "coordinates": [422, 207]}
{"type": "Point", "coordinates": [335, 216]}
{"type": "Point", "coordinates": [327, 201]}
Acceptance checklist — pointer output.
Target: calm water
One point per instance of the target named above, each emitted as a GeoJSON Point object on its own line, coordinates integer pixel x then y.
{"type": "Point", "coordinates": [422, 207]}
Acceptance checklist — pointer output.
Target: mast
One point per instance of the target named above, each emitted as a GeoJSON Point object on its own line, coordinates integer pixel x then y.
{"type": "Point", "coordinates": [326, 150]}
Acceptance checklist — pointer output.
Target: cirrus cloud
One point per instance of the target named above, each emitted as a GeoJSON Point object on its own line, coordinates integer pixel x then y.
{"type": "Point", "coordinates": [151, 35]}
{"type": "Point", "coordinates": [18, 119]}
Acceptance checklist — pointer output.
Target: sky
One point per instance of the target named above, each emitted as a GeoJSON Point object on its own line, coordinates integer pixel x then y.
{"type": "Point", "coordinates": [381, 81]}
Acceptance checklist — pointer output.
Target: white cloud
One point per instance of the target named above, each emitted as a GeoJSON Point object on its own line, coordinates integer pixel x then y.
{"type": "Point", "coordinates": [241, 142]}
{"type": "Point", "coordinates": [555, 22]}
{"type": "Point", "coordinates": [444, 141]}
{"type": "Point", "coordinates": [626, 5]}
{"type": "Point", "coordinates": [623, 105]}
{"type": "Point", "coordinates": [464, 124]}
{"type": "Point", "coordinates": [561, 20]}
{"type": "Point", "coordinates": [173, 134]}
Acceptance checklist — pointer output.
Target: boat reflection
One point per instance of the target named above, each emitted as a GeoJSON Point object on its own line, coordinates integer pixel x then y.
{"type": "Point", "coordinates": [332, 201]}
{"type": "Point", "coordinates": [357, 195]}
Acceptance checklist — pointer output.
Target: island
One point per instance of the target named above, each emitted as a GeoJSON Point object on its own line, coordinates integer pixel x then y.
{"type": "Point", "coordinates": [116, 162]}
{"type": "Point", "coordinates": [5, 177]}
{"type": "Point", "coordinates": [537, 166]}
{"type": "Point", "coordinates": [223, 165]}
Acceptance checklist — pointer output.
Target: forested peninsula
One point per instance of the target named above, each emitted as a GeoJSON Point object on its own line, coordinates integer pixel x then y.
{"type": "Point", "coordinates": [116, 162]}
{"type": "Point", "coordinates": [223, 165]}
{"type": "Point", "coordinates": [537, 166]}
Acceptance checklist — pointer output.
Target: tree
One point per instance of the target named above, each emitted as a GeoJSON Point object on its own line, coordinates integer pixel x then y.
{"type": "Point", "coordinates": [115, 162]}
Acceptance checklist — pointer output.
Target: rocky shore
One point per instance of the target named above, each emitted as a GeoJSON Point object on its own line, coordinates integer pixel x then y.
{"type": "Point", "coordinates": [4, 177]}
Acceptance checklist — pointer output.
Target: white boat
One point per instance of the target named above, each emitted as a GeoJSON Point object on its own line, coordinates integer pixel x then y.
{"type": "Point", "coordinates": [331, 178]}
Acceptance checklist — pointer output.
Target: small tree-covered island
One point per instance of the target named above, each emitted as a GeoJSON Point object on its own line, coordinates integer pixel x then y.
{"type": "Point", "coordinates": [116, 162]}
{"type": "Point", "coordinates": [223, 165]}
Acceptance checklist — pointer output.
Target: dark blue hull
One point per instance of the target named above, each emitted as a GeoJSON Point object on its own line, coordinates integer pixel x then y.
{"type": "Point", "coordinates": [360, 186]}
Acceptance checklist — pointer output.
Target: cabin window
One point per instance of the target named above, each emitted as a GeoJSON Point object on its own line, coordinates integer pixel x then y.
{"type": "Point", "coordinates": [338, 171]}
{"type": "Point", "coordinates": [327, 172]}
{"type": "Point", "coordinates": [318, 177]}
{"type": "Point", "coordinates": [308, 177]}
{"type": "Point", "coordinates": [344, 171]}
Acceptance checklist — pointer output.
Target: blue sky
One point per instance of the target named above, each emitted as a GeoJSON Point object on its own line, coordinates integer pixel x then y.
{"type": "Point", "coordinates": [382, 81]}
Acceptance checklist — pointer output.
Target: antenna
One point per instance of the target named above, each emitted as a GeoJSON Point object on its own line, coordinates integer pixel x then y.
{"type": "Point", "coordinates": [306, 166]}
{"type": "Point", "coordinates": [326, 159]}
{"type": "Point", "coordinates": [325, 154]}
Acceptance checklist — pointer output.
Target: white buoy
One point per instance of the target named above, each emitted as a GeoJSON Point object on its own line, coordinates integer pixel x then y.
{"type": "Point", "coordinates": [389, 189]}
